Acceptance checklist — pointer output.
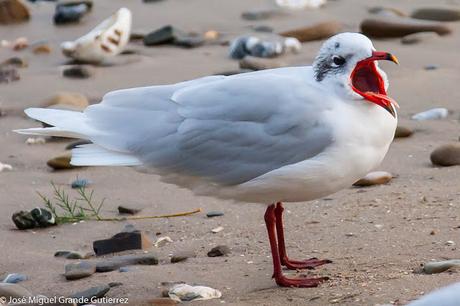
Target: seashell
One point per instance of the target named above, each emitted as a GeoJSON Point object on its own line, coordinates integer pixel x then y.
{"type": "Point", "coordinates": [184, 292]}
{"type": "Point", "coordinates": [106, 40]}
{"type": "Point", "coordinates": [434, 113]}
{"type": "Point", "coordinates": [263, 47]}
{"type": "Point", "coordinates": [300, 4]}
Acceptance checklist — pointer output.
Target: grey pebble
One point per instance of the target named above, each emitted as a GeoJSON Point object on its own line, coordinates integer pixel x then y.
{"type": "Point", "coordinates": [80, 183]}
{"type": "Point", "coordinates": [14, 278]}
{"type": "Point", "coordinates": [219, 250]}
{"type": "Point", "coordinates": [214, 213]}
{"type": "Point", "coordinates": [79, 270]}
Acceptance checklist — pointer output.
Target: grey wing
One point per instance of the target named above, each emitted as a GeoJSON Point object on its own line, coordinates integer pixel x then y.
{"type": "Point", "coordinates": [235, 129]}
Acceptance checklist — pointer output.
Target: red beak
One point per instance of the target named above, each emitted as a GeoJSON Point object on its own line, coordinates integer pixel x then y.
{"type": "Point", "coordinates": [367, 81]}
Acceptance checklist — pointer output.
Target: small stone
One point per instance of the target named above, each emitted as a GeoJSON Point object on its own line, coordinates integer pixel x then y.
{"type": "Point", "coordinates": [184, 292]}
{"type": "Point", "coordinates": [35, 140]}
{"type": "Point", "coordinates": [374, 178]}
{"type": "Point", "coordinates": [437, 14]}
{"type": "Point", "coordinates": [8, 290]}
{"type": "Point", "coordinates": [440, 266]}
{"type": "Point", "coordinates": [79, 270]}
{"type": "Point", "coordinates": [67, 100]}
{"type": "Point", "coordinates": [61, 253]}
{"type": "Point", "coordinates": [261, 14]}
{"type": "Point", "coordinates": [24, 220]}
{"type": "Point", "coordinates": [219, 250]}
{"type": "Point", "coordinates": [446, 155]}
{"type": "Point", "coordinates": [4, 167]}
{"type": "Point", "coordinates": [74, 255]}
{"type": "Point", "coordinates": [20, 43]}
{"type": "Point", "coordinates": [402, 132]}
{"type": "Point", "coordinates": [128, 210]}
{"type": "Point", "coordinates": [255, 63]}
{"type": "Point", "coordinates": [14, 278]}
{"type": "Point", "coordinates": [117, 262]}
{"type": "Point", "coordinates": [115, 284]}
{"type": "Point", "coordinates": [450, 243]}
{"type": "Point", "coordinates": [211, 35]}
{"type": "Point", "coordinates": [43, 217]}
{"type": "Point", "coordinates": [434, 113]}
{"type": "Point", "coordinates": [431, 67]}
{"type": "Point", "coordinates": [217, 229]}
{"type": "Point", "coordinates": [15, 61]}
{"type": "Point", "coordinates": [386, 11]}
{"type": "Point", "coordinates": [418, 38]}
{"type": "Point", "coordinates": [78, 72]}
{"type": "Point", "coordinates": [162, 241]}
{"type": "Point", "coordinates": [262, 28]}
{"type": "Point", "coordinates": [182, 256]}
{"type": "Point", "coordinates": [71, 255]}
{"type": "Point", "coordinates": [124, 269]}
{"type": "Point", "coordinates": [61, 162]}
{"type": "Point", "coordinates": [317, 31]}
{"type": "Point", "coordinates": [399, 27]}
{"type": "Point", "coordinates": [13, 11]}
{"type": "Point", "coordinates": [8, 75]}
{"type": "Point", "coordinates": [189, 41]}
{"type": "Point", "coordinates": [93, 292]}
{"type": "Point", "coordinates": [42, 49]}
{"type": "Point", "coordinates": [214, 213]}
{"type": "Point", "coordinates": [129, 228]}
{"type": "Point", "coordinates": [164, 35]}
{"type": "Point", "coordinates": [80, 183]}
{"type": "Point", "coordinates": [69, 13]}
{"type": "Point", "coordinates": [121, 242]}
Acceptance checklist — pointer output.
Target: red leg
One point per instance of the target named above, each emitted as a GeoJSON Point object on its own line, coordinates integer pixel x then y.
{"type": "Point", "coordinates": [281, 280]}
{"type": "Point", "coordinates": [285, 261]}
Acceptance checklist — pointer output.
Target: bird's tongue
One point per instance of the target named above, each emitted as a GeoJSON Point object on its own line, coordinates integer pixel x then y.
{"type": "Point", "coordinates": [385, 100]}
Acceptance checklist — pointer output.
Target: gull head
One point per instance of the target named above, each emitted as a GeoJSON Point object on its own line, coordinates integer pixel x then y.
{"type": "Point", "coordinates": [349, 62]}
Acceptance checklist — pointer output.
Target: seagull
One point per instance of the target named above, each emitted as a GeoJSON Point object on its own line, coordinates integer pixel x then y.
{"type": "Point", "coordinates": [280, 135]}
{"type": "Point", "coordinates": [446, 296]}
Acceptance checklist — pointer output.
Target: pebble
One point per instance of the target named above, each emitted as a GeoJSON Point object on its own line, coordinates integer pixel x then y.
{"type": "Point", "coordinates": [71, 255]}
{"type": "Point", "coordinates": [70, 12]}
{"type": "Point", "coordinates": [300, 4]}
{"type": "Point", "coordinates": [20, 44]}
{"type": "Point", "coordinates": [8, 75]}
{"type": "Point", "coordinates": [117, 262]}
{"type": "Point", "coordinates": [162, 241]}
{"type": "Point", "coordinates": [418, 38]}
{"type": "Point", "coordinates": [93, 292]}
{"type": "Point", "coordinates": [211, 35]}
{"type": "Point", "coordinates": [164, 35]}
{"type": "Point", "coordinates": [437, 14]}
{"type": "Point", "coordinates": [35, 140]}
{"type": "Point", "coordinates": [446, 155]}
{"type": "Point", "coordinates": [317, 31]}
{"type": "Point", "coordinates": [15, 61]}
{"type": "Point", "coordinates": [182, 256]}
{"type": "Point", "coordinates": [434, 113]}
{"type": "Point", "coordinates": [8, 290]}
{"type": "Point", "coordinates": [189, 41]}
{"type": "Point", "coordinates": [219, 250]}
{"type": "Point", "coordinates": [123, 241]}
{"type": "Point", "coordinates": [214, 213]}
{"type": "Point", "coordinates": [217, 229]}
{"type": "Point", "coordinates": [13, 11]}
{"type": "Point", "coordinates": [61, 162]}
{"type": "Point", "coordinates": [431, 67]}
{"type": "Point", "coordinates": [4, 167]}
{"type": "Point", "coordinates": [381, 28]}
{"type": "Point", "coordinates": [261, 14]}
{"type": "Point", "coordinates": [79, 270]}
{"type": "Point", "coordinates": [78, 72]}
{"type": "Point", "coordinates": [256, 63]}
{"type": "Point", "coordinates": [80, 183]}
{"type": "Point", "coordinates": [24, 220]}
{"type": "Point", "coordinates": [374, 178]}
{"type": "Point", "coordinates": [386, 11]}
{"type": "Point", "coordinates": [128, 210]}
{"type": "Point", "coordinates": [43, 217]}
{"type": "Point", "coordinates": [403, 132]}
{"type": "Point", "coordinates": [42, 49]}
{"type": "Point", "coordinates": [262, 28]}
{"type": "Point", "coordinates": [14, 278]}
{"type": "Point", "coordinates": [184, 293]}
{"type": "Point", "coordinates": [440, 266]}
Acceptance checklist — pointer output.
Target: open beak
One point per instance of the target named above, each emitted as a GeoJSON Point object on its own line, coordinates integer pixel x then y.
{"type": "Point", "coordinates": [367, 81]}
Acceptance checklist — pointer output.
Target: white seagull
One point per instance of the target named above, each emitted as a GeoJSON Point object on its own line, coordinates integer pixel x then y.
{"type": "Point", "coordinates": [280, 135]}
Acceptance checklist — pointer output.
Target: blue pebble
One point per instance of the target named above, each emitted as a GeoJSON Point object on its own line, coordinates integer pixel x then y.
{"type": "Point", "coordinates": [14, 278]}
{"type": "Point", "coordinates": [124, 269]}
{"type": "Point", "coordinates": [80, 183]}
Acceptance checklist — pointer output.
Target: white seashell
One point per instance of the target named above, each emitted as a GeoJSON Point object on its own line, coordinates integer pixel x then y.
{"type": "Point", "coordinates": [106, 40]}
{"type": "Point", "coordinates": [5, 167]}
{"type": "Point", "coordinates": [184, 292]}
{"type": "Point", "coordinates": [292, 44]}
{"type": "Point", "coordinates": [434, 113]}
{"type": "Point", "coordinates": [300, 4]}
{"type": "Point", "coordinates": [35, 140]}
{"type": "Point", "coordinates": [217, 229]}
{"type": "Point", "coordinates": [162, 241]}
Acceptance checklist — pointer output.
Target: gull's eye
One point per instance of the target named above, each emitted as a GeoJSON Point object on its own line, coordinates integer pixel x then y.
{"type": "Point", "coordinates": [338, 60]}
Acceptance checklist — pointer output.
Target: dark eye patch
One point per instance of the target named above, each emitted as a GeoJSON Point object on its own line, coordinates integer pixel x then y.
{"type": "Point", "coordinates": [338, 60]}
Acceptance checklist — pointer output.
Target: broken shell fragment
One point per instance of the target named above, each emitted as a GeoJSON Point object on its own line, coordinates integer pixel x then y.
{"type": "Point", "coordinates": [106, 40]}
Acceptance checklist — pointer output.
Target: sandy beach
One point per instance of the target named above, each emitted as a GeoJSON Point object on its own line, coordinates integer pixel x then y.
{"type": "Point", "coordinates": [376, 236]}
